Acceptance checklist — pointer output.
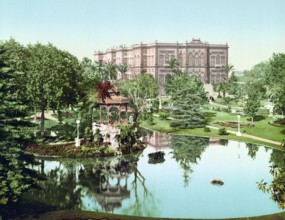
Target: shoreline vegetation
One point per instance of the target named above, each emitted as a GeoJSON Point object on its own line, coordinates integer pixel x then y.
{"type": "Point", "coordinates": [104, 150]}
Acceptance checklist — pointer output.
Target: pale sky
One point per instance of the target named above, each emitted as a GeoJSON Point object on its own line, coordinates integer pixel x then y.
{"type": "Point", "coordinates": [253, 29]}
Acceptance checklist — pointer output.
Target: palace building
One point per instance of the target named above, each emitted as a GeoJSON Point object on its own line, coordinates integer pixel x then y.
{"type": "Point", "coordinates": [198, 58]}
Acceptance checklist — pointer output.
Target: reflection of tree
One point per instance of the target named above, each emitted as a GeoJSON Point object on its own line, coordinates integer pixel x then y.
{"type": "Point", "coordinates": [186, 151]}
{"type": "Point", "coordinates": [103, 180]}
{"type": "Point", "coordinates": [144, 204]}
{"type": "Point", "coordinates": [252, 149]}
{"type": "Point", "coordinates": [277, 187]}
{"type": "Point", "coordinates": [224, 142]}
{"type": "Point", "coordinates": [58, 190]}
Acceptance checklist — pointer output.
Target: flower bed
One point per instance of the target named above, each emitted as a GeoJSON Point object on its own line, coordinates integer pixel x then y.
{"type": "Point", "coordinates": [69, 150]}
{"type": "Point", "coordinates": [233, 124]}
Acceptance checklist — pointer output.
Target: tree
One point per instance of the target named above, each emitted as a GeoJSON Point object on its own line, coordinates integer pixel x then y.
{"type": "Point", "coordinates": [255, 78]}
{"type": "Point", "coordinates": [228, 69]}
{"type": "Point", "coordinates": [111, 71]}
{"type": "Point", "coordinates": [89, 70]}
{"type": "Point", "coordinates": [139, 90]}
{"type": "Point", "coordinates": [174, 65]}
{"type": "Point", "coordinates": [252, 105]}
{"type": "Point", "coordinates": [53, 80]}
{"type": "Point", "coordinates": [103, 90]}
{"type": "Point", "coordinates": [180, 81]}
{"type": "Point", "coordinates": [187, 93]}
{"type": "Point", "coordinates": [122, 68]}
{"type": "Point", "coordinates": [275, 80]}
{"type": "Point", "coordinates": [187, 113]}
{"type": "Point", "coordinates": [15, 178]}
{"type": "Point", "coordinates": [187, 151]}
{"type": "Point", "coordinates": [222, 87]}
{"type": "Point", "coordinates": [233, 84]}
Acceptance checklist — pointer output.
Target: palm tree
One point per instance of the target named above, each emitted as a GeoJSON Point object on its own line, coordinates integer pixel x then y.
{"type": "Point", "coordinates": [173, 64]}
{"type": "Point", "coordinates": [228, 68]}
{"type": "Point", "coordinates": [122, 68]}
{"type": "Point", "coordinates": [99, 69]}
{"type": "Point", "coordinates": [111, 70]}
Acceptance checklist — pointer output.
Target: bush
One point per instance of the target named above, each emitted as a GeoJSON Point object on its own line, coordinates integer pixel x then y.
{"type": "Point", "coordinates": [206, 129]}
{"type": "Point", "coordinates": [223, 131]}
{"type": "Point", "coordinates": [164, 115]}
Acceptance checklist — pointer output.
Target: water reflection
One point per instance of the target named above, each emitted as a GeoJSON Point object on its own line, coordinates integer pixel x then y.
{"type": "Point", "coordinates": [179, 187]}
{"type": "Point", "coordinates": [186, 151]}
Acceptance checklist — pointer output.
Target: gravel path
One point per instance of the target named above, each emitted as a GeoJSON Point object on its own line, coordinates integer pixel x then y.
{"type": "Point", "coordinates": [250, 136]}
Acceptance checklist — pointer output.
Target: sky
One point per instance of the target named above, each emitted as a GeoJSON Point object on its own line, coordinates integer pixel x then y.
{"type": "Point", "coordinates": [253, 29]}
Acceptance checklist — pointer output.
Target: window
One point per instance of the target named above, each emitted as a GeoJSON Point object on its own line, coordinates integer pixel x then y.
{"type": "Point", "coordinates": [191, 63]}
{"type": "Point", "coordinates": [218, 59]}
{"type": "Point", "coordinates": [202, 59]}
{"type": "Point", "coordinates": [166, 58]}
{"type": "Point", "coordinates": [161, 59]}
{"type": "Point", "coordinates": [223, 60]}
{"type": "Point", "coordinates": [213, 60]}
{"type": "Point", "coordinates": [196, 61]}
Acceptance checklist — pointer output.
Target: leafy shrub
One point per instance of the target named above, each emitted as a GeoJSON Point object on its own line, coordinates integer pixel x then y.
{"type": "Point", "coordinates": [223, 131]}
{"type": "Point", "coordinates": [206, 129]}
{"type": "Point", "coordinates": [164, 115]}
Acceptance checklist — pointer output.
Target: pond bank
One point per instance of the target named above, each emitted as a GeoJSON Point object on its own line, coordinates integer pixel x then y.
{"type": "Point", "coordinates": [80, 215]}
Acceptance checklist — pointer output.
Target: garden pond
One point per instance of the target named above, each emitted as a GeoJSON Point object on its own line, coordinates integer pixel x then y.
{"type": "Point", "coordinates": [181, 185]}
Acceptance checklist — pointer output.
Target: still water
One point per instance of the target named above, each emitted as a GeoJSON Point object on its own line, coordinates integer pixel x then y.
{"type": "Point", "coordinates": [178, 186]}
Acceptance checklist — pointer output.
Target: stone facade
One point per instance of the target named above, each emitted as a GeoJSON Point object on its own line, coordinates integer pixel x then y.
{"type": "Point", "coordinates": [196, 57]}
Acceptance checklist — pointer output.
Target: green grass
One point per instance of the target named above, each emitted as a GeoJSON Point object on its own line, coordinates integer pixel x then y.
{"type": "Point", "coordinates": [261, 129]}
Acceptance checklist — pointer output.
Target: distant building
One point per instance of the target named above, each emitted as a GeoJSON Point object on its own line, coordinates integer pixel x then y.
{"type": "Point", "coordinates": [196, 57]}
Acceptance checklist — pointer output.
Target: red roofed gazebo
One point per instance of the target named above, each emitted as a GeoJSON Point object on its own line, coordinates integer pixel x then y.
{"type": "Point", "coordinates": [115, 100]}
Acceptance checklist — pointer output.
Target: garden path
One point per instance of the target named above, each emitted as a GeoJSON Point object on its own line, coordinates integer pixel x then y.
{"type": "Point", "coordinates": [249, 136]}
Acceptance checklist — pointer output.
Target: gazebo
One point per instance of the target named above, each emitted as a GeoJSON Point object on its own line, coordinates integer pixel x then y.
{"type": "Point", "coordinates": [119, 102]}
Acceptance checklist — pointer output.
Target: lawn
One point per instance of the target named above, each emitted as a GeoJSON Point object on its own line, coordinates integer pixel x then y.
{"type": "Point", "coordinates": [261, 129]}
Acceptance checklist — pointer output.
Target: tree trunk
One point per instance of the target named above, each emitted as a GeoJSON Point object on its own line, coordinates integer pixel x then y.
{"type": "Point", "coordinates": [42, 121]}
{"type": "Point", "coordinates": [136, 117]}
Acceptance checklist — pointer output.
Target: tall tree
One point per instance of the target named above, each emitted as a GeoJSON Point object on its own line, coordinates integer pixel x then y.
{"type": "Point", "coordinates": [122, 68]}
{"type": "Point", "coordinates": [275, 80]}
{"type": "Point", "coordinates": [54, 79]}
{"type": "Point", "coordinates": [139, 90]}
{"type": "Point", "coordinates": [187, 93]}
{"type": "Point", "coordinates": [111, 71]}
{"type": "Point", "coordinates": [255, 78]}
{"type": "Point", "coordinates": [187, 113]}
{"type": "Point", "coordinates": [229, 68]}
{"type": "Point", "coordinates": [15, 177]}
{"type": "Point", "coordinates": [252, 105]}
{"type": "Point", "coordinates": [174, 65]}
